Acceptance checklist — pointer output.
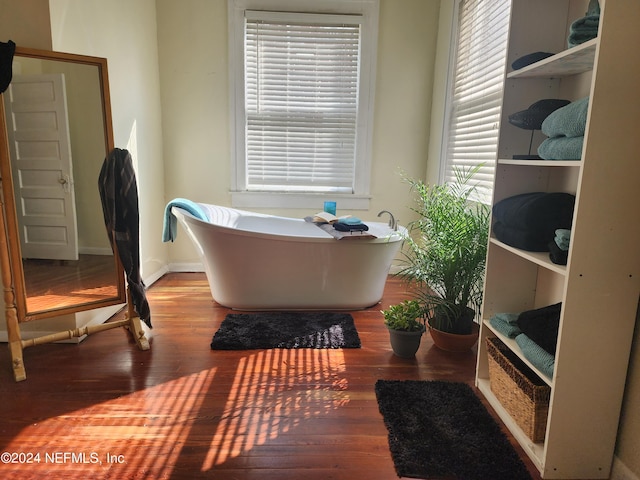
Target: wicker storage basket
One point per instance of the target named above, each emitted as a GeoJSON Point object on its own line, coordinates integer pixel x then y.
{"type": "Point", "coordinates": [520, 391]}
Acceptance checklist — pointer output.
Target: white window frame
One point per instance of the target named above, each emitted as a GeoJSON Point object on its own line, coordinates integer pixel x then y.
{"type": "Point", "coordinates": [360, 198]}
{"type": "Point", "coordinates": [485, 177]}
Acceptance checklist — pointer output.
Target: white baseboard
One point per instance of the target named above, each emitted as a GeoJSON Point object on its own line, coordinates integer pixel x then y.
{"type": "Point", "coordinates": [619, 471]}
{"type": "Point", "coordinates": [154, 277]}
{"type": "Point", "coordinates": [186, 267]}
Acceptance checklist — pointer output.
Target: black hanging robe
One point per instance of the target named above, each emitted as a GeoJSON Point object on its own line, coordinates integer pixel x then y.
{"type": "Point", "coordinates": [119, 196]}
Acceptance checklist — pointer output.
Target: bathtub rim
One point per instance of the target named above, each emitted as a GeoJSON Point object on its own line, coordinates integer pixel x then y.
{"type": "Point", "coordinates": [394, 236]}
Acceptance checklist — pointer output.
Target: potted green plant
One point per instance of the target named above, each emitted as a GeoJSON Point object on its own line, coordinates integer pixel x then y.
{"type": "Point", "coordinates": [405, 322]}
{"type": "Point", "coordinates": [445, 253]}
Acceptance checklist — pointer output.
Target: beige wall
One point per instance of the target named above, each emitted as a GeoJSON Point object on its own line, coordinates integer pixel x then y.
{"type": "Point", "coordinates": [125, 33]}
{"type": "Point", "coordinates": [192, 39]}
{"type": "Point", "coordinates": [26, 22]}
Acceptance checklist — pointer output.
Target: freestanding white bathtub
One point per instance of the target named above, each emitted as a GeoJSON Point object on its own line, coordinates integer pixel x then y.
{"type": "Point", "coordinates": [263, 262]}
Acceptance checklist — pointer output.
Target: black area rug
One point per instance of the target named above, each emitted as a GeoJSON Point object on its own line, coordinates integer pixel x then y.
{"type": "Point", "coordinates": [442, 430]}
{"type": "Point", "coordinates": [246, 331]}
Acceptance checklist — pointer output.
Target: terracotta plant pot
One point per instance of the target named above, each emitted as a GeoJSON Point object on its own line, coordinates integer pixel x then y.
{"type": "Point", "coordinates": [405, 344]}
{"type": "Point", "coordinates": [454, 342]}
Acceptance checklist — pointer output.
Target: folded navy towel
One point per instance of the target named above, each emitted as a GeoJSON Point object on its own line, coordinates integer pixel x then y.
{"type": "Point", "coordinates": [529, 220]}
{"type": "Point", "coordinates": [541, 325]}
{"type": "Point", "coordinates": [529, 240]}
{"type": "Point", "coordinates": [561, 148]}
{"type": "Point", "coordinates": [350, 227]}
{"type": "Point", "coordinates": [568, 121]}
{"type": "Point", "coordinates": [170, 225]}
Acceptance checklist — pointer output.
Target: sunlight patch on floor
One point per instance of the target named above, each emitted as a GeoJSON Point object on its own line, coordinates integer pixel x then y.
{"type": "Point", "coordinates": [273, 392]}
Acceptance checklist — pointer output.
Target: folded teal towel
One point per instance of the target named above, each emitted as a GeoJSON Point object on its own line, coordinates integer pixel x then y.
{"type": "Point", "coordinates": [538, 357]}
{"type": "Point", "coordinates": [350, 221]}
{"type": "Point", "coordinates": [567, 121]}
{"type": "Point", "coordinates": [506, 323]}
{"type": "Point", "coordinates": [170, 225]}
{"type": "Point", "coordinates": [583, 30]}
{"type": "Point", "coordinates": [561, 148]}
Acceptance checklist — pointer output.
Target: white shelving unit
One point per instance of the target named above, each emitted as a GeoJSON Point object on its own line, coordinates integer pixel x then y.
{"type": "Point", "coordinates": [600, 286]}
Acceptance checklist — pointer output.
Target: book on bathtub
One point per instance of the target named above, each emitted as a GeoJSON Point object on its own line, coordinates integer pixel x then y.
{"type": "Point", "coordinates": [324, 217]}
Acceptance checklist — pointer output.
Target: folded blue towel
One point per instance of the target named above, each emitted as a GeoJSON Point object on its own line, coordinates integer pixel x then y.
{"type": "Point", "coordinates": [506, 323]}
{"type": "Point", "coordinates": [561, 148]}
{"type": "Point", "coordinates": [170, 226]}
{"type": "Point", "coordinates": [538, 357]}
{"type": "Point", "coordinates": [567, 121]}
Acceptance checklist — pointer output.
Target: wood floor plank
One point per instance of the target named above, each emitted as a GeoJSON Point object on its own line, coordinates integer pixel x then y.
{"type": "Point", "coordinates": [104, 409]}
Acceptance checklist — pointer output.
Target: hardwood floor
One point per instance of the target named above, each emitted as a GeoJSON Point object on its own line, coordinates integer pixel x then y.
{"type": "Point", "coordinates": [104, 409]}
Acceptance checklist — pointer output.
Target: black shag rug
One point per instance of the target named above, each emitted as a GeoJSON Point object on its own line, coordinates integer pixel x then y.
{"type": "Point", "coordinates": [442, 430]}
{"type": "Point", "coordinates": [247, 331]}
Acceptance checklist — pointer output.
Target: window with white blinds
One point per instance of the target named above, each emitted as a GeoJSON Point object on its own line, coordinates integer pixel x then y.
{"type": "Point", "coordinates": [301, 94]}
{"type": "Point", "coordinates": [302, 82]}
{"type": "Point", "coordinates": [476, 91]}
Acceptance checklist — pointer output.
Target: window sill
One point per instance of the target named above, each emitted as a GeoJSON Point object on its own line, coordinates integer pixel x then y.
{"type": "Point", "coordinates": [298, 200]}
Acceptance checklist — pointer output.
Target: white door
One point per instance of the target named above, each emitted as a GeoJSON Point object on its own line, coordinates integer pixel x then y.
{"type": "Point", "coordinates": [38, 132]}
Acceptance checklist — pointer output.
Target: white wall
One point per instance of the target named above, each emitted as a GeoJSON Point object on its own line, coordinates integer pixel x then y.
{"type": "Point", "coordinates": [125, 33]}
{"type": "Point", "coordinates": [192, 39]}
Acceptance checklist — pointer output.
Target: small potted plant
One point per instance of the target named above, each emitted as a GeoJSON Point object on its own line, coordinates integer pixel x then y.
{"type": "Point", "coordinates": [445, 253]}
{"type": "Point", "coordinates": [405, 322]}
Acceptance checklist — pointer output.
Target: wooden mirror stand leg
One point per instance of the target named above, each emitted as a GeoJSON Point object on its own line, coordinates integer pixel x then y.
{"type": "Point", "coordinates": [11, 314]}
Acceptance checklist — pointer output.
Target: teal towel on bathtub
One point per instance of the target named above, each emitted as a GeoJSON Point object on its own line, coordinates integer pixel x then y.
{"type": "Point", "coordinates": [170, 225]}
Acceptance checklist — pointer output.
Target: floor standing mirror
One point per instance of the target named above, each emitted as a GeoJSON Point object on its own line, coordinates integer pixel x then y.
{"type": "Point", "coordinates": [55, 256]}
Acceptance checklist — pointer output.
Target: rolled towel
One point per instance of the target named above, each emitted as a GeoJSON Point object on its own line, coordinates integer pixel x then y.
{"type": "Point", "coordinates": [557, 255]}
{"type": "Point", "coordinates": [542, 360]}
{"type": "Point", "coordinates": [562, 238]}
{"type": "Point", "coordinates": [567, 121]}
{"type": "Point", "coordinates": [170, 225]}
{"type": "Point", "coordinates": [506, 323]}
{"type": "Point", "coordinates": [561, 148]}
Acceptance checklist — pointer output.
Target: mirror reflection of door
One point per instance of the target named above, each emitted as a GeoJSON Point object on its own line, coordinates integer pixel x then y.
{"type": "Point", "coordinates": [38, 132]}
{"type": "Point", "coordinates": [67, 265]}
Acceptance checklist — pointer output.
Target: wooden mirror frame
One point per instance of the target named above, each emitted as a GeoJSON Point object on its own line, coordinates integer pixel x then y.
{"type": "Point", "coordinates": [11, 236]}
{"type": "Point", "coordinates": [11, 265]}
